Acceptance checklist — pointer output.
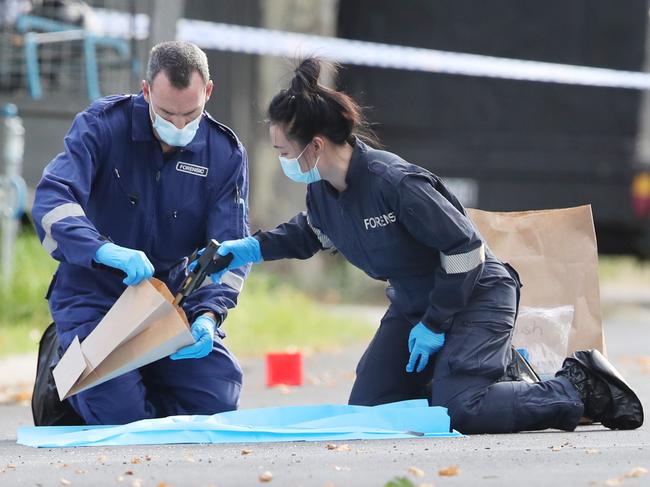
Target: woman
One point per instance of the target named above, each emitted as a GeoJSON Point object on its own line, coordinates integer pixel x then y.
{"type": "Point", "coordinates": [451, 299]}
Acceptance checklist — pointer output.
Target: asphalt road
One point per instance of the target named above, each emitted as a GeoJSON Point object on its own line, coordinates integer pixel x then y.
{"type": "Point", "coordinates": [590, 456]}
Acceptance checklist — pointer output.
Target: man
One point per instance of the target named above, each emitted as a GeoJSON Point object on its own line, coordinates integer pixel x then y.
{"type": "Point", "coordinates": [144, 180]}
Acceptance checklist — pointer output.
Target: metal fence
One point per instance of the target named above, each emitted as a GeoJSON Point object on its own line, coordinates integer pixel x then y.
{"type": "Point", "coordinates": [49, 48]}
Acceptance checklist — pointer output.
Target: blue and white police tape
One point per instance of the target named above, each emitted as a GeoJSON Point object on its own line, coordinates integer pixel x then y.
{"type": "Point", "coordinates": [254, 40]}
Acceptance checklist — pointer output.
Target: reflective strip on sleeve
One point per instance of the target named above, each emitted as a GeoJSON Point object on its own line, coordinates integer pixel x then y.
{"type": "Point", "coordinates": [56, 215]}
{"type": "Point", "coordinates": [462, 263]}
{"type": "Point", "coordinates": [324, 240]}
{"type": "Point", "coordinates": [230, 279]}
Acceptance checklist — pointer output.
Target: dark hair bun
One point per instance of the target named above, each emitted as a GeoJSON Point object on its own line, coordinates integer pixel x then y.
{"type": "Point", "coordinates": [308, 108]}
{"type": "Point", "coordinates": [306, 76]}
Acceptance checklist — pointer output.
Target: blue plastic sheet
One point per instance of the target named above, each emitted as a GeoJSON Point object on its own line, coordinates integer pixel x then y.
{"type": "Point", "coordinates": [407, 419]}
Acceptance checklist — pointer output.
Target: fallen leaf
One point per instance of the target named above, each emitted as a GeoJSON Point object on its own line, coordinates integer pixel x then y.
{"type": "Point", "coordinates": [266, 476]}
{"type": "Point", "coordinates": [128, 472]}
{"type": "Point", "coordinates": [556, 448]}
{"type": "Point", "coordinates": [148, 458]}
{"type": "Point", "coordinates": [330, 446]}
{"type": "Point", "coordinates": [400, 482]}
{"type": "Point", "coordinates": [136, 460]}
{"type": "Point", "coordinates": [246, 451]}
{"type": "Point", "coordinates": [637, 472]}
{"type": "Point", "coordinates": [416, 472]}
{"type": "Point", "coordinates": [64, 481]}
{"type": "Point", "coordinates": [450, 471]}
{"type": "Point", "coordinates": [22, 396]}
{"type": "Point", "coordinates": [80, 471]}
{"type": "Point", "coordinates": [343, 448]}
{"type": "Point", "coordinates": [11, 465]}
{"type": "Point", "coordinates": [613, 482]}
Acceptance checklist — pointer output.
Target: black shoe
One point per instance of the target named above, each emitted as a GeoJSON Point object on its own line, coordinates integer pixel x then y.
{"type": "Point", "coordinates": [604, 392]}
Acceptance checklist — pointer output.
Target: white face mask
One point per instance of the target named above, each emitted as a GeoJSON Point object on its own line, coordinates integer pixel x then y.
{"type": "Point", "coordinates": [172, 135]}
{"type": "Point", "coordinates": [291, 169]}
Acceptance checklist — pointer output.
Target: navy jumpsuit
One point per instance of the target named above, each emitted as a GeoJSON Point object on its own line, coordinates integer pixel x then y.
{"type": "Point", "coordinates": [113, 182]}
{"type": "Point", "coordinates": [399, 223]}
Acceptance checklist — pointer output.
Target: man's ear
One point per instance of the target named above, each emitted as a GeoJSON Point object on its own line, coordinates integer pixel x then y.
{"type": "Point", "coordinates": [145, 90]}
{"type": "Point", "coordinates": [208, 90]}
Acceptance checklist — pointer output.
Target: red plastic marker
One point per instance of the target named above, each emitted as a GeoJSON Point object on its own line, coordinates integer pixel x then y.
{"type": "Point", "coordinates": [283, 369]}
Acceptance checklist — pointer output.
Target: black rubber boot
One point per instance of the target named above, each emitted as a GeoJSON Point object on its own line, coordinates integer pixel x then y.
{"type": "Point", "coordinates": [605, 394]}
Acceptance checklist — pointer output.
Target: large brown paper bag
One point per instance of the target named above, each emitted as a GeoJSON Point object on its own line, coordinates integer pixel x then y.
{"type": "Point", "coordinates": [556, 256]}
{"type": "Point", "coordinates": [142, 326]}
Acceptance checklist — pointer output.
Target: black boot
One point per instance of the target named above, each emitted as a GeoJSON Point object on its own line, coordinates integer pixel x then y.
{"type": "Point", "coordinates": [605, 394]}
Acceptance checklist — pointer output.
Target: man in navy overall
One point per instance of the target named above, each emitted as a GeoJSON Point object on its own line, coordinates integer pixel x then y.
{"type": "Point", "coordinates": [143, 181]}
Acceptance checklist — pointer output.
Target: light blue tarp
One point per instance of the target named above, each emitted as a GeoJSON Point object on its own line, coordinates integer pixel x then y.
{"type": "Point", "coordinates": [407, 419]}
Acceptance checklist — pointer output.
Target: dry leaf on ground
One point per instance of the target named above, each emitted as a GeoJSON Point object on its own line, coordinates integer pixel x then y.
{"type": "Point", "coordinates": [637, 472]}
{"type": "Point", "coordinates": [416, 472]}
{"type": "Point", "coordinates": [613, 482]}
{"type": "Point", "coordinates": [246, 451]}
{"type": "Point", "coordinates": [64, 481]}
{"type": "Point", "coordinates": [449, 471]}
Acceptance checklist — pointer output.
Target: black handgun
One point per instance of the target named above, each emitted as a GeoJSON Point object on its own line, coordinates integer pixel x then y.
{"type": "Point", "coordinates": [207, 263]}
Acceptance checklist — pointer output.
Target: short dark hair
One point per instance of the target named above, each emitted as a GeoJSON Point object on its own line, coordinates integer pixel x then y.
{"type": "Point", "coordinates": [178, 60]}
{"type": "Point", "coordinates": [308, 108]}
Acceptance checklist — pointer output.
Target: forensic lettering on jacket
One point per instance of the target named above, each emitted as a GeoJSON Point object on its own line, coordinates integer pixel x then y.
{"type": "Point", "coordinates": [380, 221]}
{"type": "Point", "coordinates": [192, 169]}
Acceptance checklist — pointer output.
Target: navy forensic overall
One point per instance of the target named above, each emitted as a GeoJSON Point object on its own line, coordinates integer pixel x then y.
{"type": "Point", "coordinates": [399, 223]}
{"type": "Point", "coordinates": [113, 182]}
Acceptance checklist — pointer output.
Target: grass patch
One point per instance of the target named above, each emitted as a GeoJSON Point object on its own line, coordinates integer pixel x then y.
{"type": "Point", "coordinates": [24, 313]}
{"type": "Point", "coordinates": [625, 270]}
{"type": "Point", "coordinates": [271, 315]}
{"type": "Point", "coordinates": [275, 316]}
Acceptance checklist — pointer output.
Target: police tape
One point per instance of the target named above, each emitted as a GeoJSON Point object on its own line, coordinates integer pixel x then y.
{"type": "Point", "coordinates": [255, 40]}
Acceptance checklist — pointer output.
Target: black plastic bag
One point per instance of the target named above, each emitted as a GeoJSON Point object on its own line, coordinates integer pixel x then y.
{"type": "Point", "coordinates": [46, 407]}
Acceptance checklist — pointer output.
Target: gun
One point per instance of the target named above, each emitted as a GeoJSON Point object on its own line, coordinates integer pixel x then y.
{"type": "Point", "coordinates": [207, 263]}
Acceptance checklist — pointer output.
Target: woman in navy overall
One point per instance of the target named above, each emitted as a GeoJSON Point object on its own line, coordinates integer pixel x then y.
{"type": "Point", "coordinates": [447, 332]}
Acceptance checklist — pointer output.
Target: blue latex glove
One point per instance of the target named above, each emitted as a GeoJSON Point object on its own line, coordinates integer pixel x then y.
{"type": "Point", "coordinates": [245, 251]}
{"type": "Point", "coordinates": [133, 263]}
{"type": "Point", "coordinates": [423, 343]}
{"type": "Point", "coordinates": [203, 332]}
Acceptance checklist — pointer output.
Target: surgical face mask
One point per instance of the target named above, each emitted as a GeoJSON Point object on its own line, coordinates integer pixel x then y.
{"type": "Point", "coordinates": [172, 135]}
{"type": "Point", "coordinates": [291, 168]}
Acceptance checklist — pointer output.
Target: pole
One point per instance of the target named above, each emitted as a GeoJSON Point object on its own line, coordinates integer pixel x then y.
{"type": "Point", "coordinates": [12, 185]}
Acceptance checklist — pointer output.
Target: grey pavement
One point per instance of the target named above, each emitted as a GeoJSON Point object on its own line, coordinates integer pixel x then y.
{"type": "Point", "coordinates": [590, 456]}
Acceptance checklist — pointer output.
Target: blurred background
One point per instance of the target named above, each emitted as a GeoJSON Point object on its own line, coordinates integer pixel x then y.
{"type": "Point", "coordinates": [502, 141]}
